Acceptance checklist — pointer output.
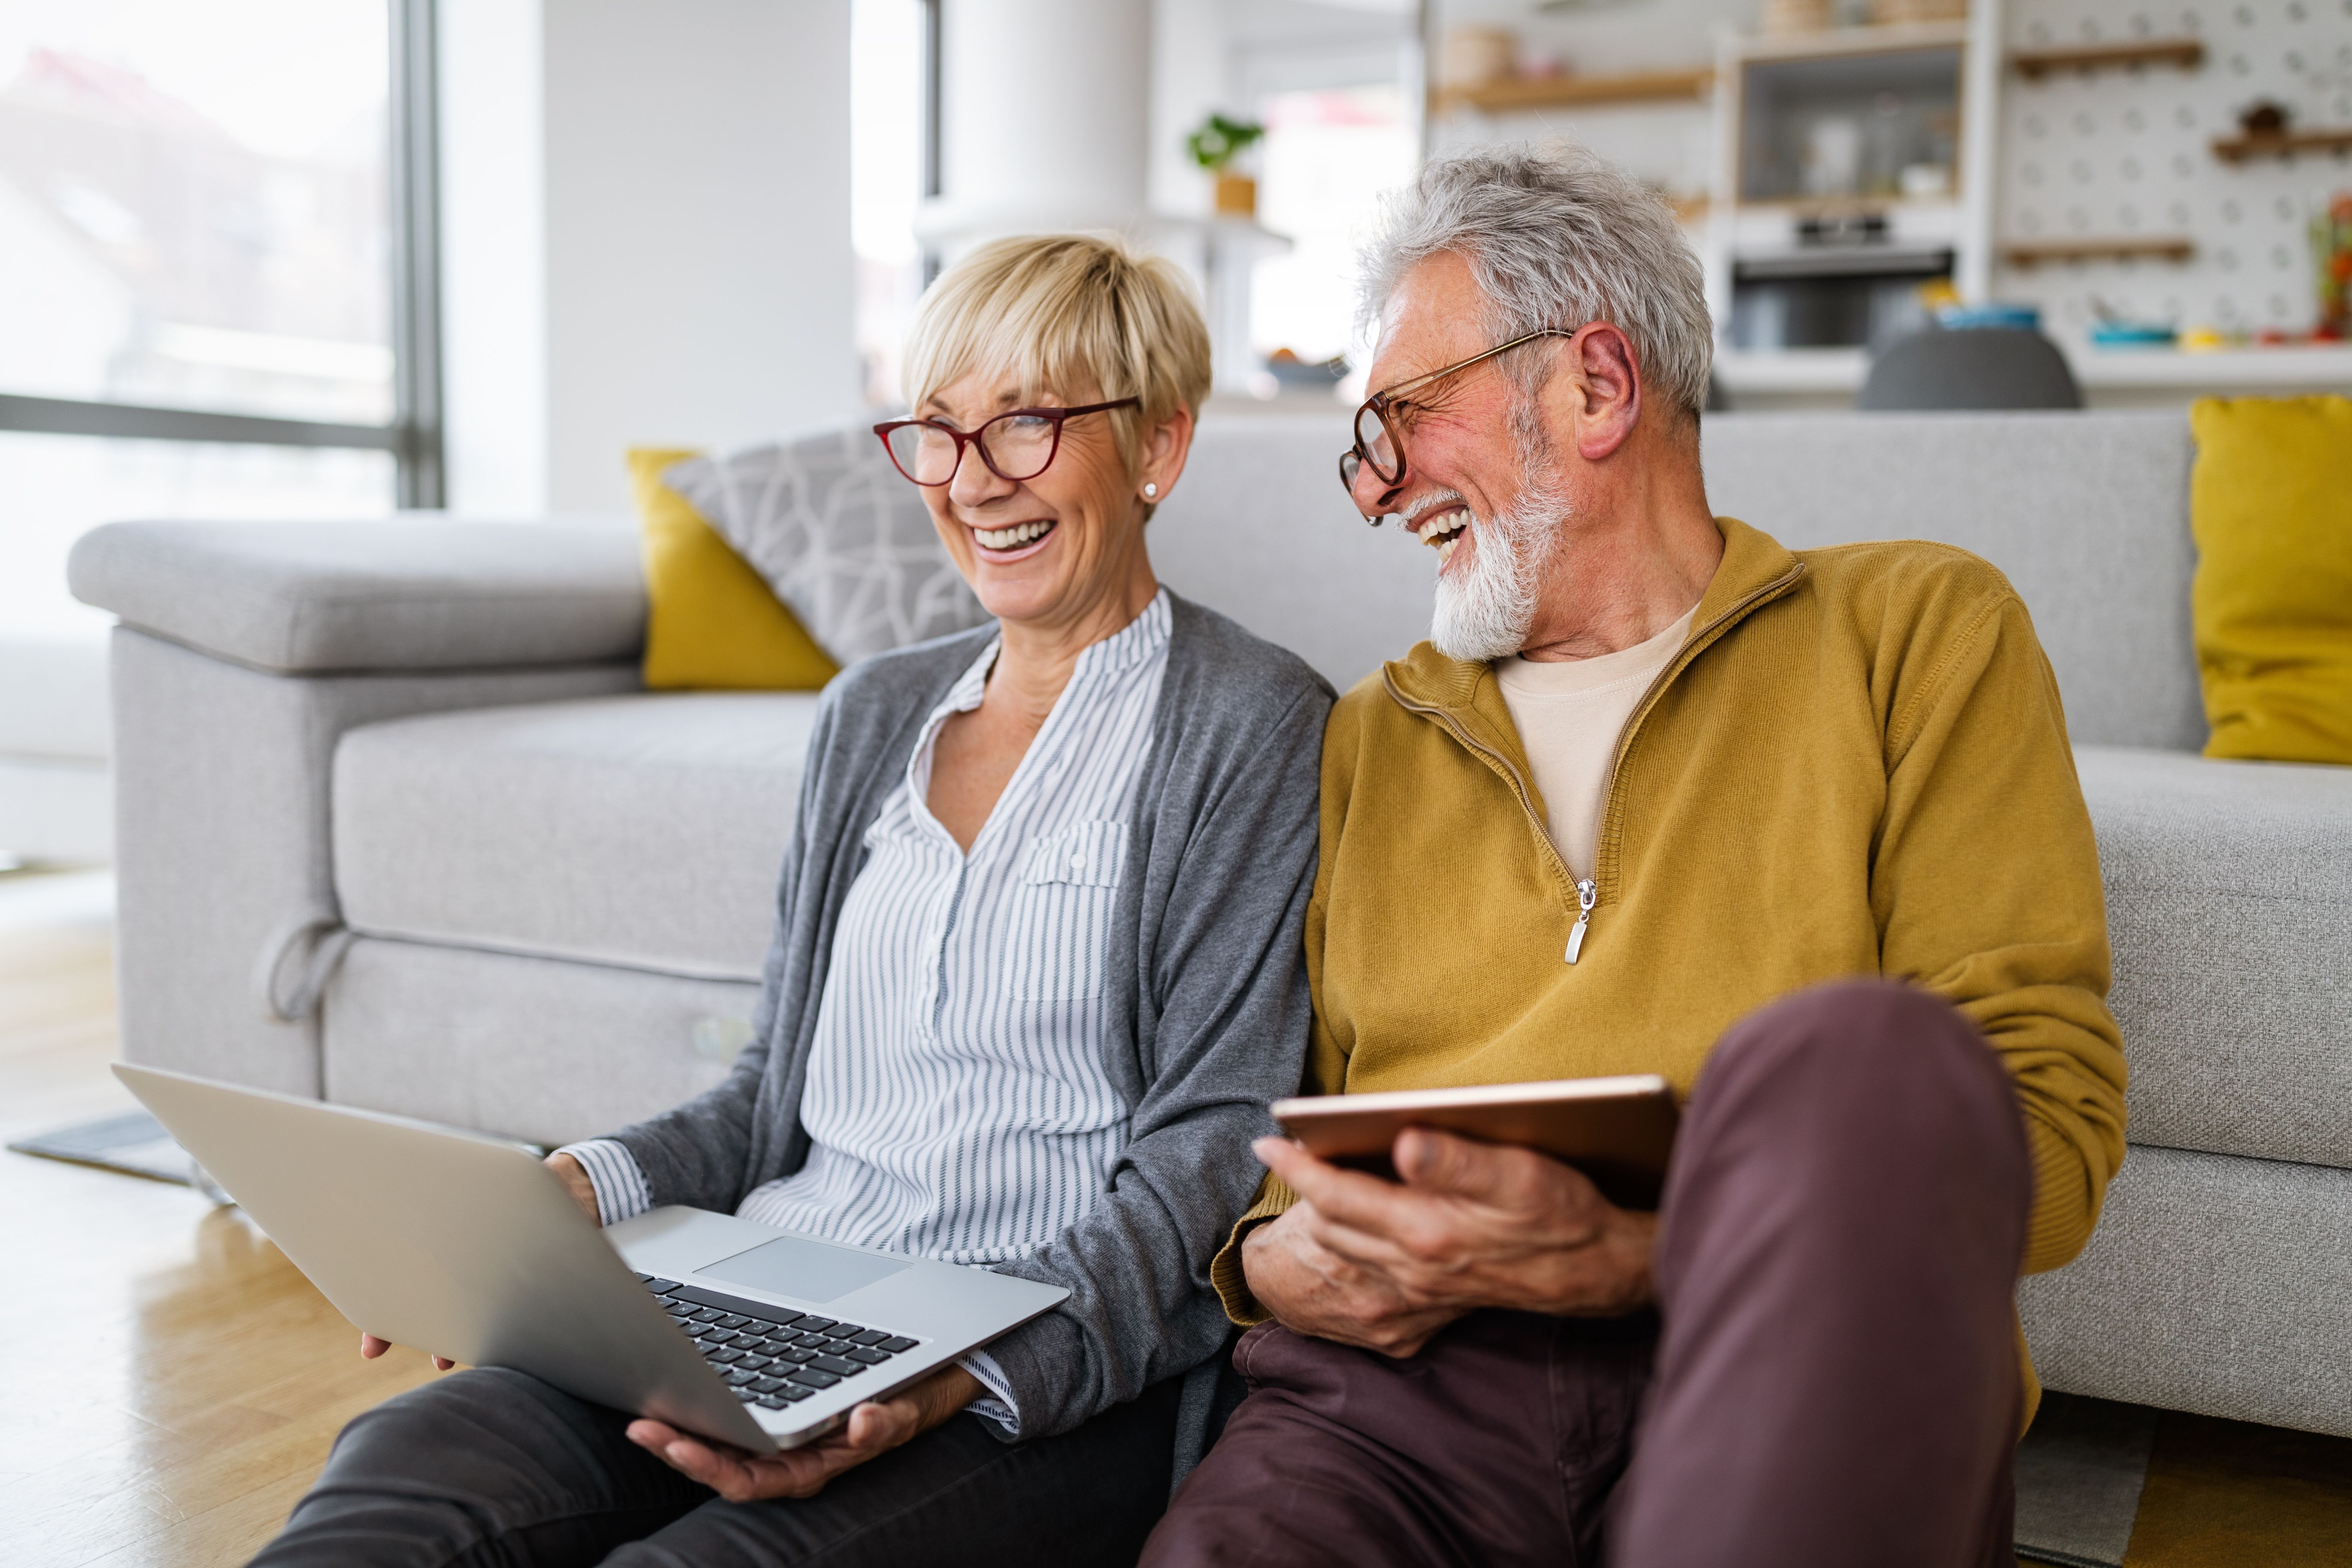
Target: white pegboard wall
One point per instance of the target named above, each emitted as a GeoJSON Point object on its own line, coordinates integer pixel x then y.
{"type": "Point", "coordinates": [2128, 153]}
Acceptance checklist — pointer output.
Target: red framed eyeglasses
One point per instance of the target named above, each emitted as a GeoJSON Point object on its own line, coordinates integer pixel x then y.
{"type": "Point", "coordinates": [1017, 444]}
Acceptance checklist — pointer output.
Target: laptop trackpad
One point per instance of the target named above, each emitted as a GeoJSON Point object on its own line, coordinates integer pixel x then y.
{"type": "Point", "coordinates": [812, 1271]}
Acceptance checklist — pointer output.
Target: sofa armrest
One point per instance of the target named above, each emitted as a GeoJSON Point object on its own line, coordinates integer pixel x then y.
{"type": "Point", "coordinates": [412, 592]}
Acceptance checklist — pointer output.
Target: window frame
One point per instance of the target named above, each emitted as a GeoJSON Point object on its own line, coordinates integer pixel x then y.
{"type": "Point", "coordinates": [415, 436]}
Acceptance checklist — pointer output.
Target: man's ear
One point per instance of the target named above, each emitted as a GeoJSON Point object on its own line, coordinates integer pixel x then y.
{"type": "Point", "coordinates": [1605, 396]}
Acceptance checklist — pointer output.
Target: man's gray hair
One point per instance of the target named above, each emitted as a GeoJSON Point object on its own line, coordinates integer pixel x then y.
{"type": "Point", "coordinates": [1556, 237]}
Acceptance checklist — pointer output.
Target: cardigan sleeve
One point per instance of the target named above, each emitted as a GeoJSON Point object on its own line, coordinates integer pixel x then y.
{"type": "Point", "coordinates": [699, 1153]}
{"type": "Point", "coordinates": [1223, 990]}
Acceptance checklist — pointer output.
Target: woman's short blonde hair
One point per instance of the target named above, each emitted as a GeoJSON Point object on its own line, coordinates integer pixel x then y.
{"type": "Point", "coordinates": [1062, 312]}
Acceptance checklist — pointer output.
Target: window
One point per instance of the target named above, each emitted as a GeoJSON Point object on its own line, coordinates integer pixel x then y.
{"type": "Point", "coordinates": [216, 269]}
{"type": "Point", "coordinates": [1329, 156]}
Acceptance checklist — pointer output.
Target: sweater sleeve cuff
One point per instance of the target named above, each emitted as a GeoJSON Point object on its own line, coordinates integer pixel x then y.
{"type": "Point", "coordinates": [2065, 1204]}
{"type": "Point", "coordinates": [621, 1190]}
{"type": "Point", "coordinates": [998, 1406]}
{"type": "Point", "coordinates": [1274, 1197]}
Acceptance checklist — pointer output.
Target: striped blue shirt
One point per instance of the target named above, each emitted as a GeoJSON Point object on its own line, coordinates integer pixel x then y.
{"type": "Point", "coordinates": [957, 1104]}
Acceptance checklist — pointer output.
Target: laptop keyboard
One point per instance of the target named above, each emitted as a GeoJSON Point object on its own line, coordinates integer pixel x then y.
{"type": "Point", "coordinates": [773, 1356]}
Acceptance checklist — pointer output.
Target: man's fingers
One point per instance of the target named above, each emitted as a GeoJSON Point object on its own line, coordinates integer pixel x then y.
{"type": "Point", "coordinates": [1381, 1252]}
{"type": "Point", "coordinates": [1440, 1162]}
{"type": "Point", "coordinates": [1350, 1195]}
{"type": "Point", "coordinates": [1501, 1177]}
{"type": "Point", "coordinates": [372, 1347]}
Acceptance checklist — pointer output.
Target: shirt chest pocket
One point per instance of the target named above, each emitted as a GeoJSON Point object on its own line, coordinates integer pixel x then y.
{"type": "Point", "coordinates": [1058, 929]}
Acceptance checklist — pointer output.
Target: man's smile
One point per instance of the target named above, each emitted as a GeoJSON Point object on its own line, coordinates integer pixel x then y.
{"type": "Point", "coordinates": [1437, 520]}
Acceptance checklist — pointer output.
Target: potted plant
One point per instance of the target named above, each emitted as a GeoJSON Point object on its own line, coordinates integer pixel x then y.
{"type": "Point", "coordinates": [1214, 147]}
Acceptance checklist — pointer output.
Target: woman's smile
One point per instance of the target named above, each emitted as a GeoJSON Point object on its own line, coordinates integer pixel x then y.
{"type": "Point", "coordinates": [1013, 540]}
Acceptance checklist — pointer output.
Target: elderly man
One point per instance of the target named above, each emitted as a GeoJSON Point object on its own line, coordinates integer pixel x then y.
{"type": "Point", "coordinates": [1798, 830]}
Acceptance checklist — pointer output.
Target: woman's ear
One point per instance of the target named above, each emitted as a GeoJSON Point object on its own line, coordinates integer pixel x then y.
{"type": "Point", "coordinates": [1165, 447]}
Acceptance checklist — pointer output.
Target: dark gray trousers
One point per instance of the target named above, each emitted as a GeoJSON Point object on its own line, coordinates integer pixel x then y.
{"type": "Point", "coordinates": [1831, 1378]}
{"type": "Point", "coordinates": [494, 1467]}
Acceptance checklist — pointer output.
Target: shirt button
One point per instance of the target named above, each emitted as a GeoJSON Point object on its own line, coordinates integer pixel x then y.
{"type": "Point", "coordinates": [1078, 861]}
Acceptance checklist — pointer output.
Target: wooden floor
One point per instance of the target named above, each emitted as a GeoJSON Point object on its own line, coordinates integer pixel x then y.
{"type": "Point", "coordinates": [169, 1384]}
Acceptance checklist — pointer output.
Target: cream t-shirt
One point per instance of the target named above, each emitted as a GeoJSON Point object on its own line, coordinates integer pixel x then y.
{"type": "Point", "coordinates": [1570, 715]}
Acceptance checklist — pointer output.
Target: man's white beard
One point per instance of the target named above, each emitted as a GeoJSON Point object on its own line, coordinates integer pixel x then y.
{"type": "Point", "coordinates": [1485, 613]}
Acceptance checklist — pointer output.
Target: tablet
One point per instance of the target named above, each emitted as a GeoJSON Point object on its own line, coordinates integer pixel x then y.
{"type": "Point", "coordinates": [1617, 1131]}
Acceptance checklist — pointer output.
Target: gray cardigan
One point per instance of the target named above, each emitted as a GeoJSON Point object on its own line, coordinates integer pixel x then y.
{"type": "Point", "coordinates": [1205, 977]}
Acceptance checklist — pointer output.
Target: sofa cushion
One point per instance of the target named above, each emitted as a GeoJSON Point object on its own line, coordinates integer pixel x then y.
{"type": "Point", "coordinates": [527, 1047]}
{"type": "Point", "coordinates": [2270, 504]}
{"type": "Point", "coordinates": [2211, 1284]}
{"type": "Point", "coordinates": [841, 536]}
{"type": "Point", "coordinates": [712, 623]}
{"type": "Point", "coordinates": [2086, 514]}
{"type": "Point", "coordinates": [404, 592]}
{"type": "Point", "coordinates": [2230, 907]}
{"type": "Point", "coordinates": [644, 831]}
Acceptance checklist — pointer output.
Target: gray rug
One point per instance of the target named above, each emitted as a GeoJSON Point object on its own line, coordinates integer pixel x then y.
{"type": "Point", "coordinates": [2079, 1474]}
{"type": "Point", "coordinates": [135, 1144]}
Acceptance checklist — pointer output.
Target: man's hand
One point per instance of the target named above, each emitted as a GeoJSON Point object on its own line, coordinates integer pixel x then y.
{"type": "Point", "coordinates": [873, 1427]}
{"type": "Point", "coordinates": [1385, 1265]}
{"type": "Point", "coordinates": [1314, 1290]}
{"type": "Point", "coordinates": [583, 1192]}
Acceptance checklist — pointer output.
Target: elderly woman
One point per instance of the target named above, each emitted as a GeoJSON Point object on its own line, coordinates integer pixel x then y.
{"type": "Point", "coordinates": [1038, 970]}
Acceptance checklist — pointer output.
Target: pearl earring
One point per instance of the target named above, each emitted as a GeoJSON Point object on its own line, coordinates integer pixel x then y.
{"type": "Point", "coordinates": [1151, 492]}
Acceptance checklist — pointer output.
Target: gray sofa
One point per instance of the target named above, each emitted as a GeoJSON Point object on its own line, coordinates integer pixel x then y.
{"type": "Point", "coordinates": [396, 827]}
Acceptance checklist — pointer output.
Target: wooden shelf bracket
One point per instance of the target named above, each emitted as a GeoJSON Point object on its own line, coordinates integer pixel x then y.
{"type": "Point", "coordinates": [2238, 149]}
{"type": "Point", "coordinates": [2033, 253]}
{"type": "Point", "coordinates": [2034, 64]}
{"type": "Point", "coordinates": [1520, 94]}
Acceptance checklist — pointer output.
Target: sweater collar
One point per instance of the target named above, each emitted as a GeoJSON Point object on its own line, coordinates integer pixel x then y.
{"type": "Point", "coordinates": [1755, 568]}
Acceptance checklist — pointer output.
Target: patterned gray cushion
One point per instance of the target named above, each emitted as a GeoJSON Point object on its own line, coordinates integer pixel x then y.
{"type": "Point", "coordinates": [840, 535]}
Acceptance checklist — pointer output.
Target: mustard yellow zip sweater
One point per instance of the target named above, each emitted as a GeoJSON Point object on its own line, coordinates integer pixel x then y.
{"type": "Point", "coordinates": [1856, 766]}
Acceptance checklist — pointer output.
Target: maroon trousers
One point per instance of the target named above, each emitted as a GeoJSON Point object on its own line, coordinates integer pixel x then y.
{"type": "Point", "coordinates": [1830, 1376]}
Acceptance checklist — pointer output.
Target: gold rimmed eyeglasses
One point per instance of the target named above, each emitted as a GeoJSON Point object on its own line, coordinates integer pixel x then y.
{"type": "Point", "coordinates": [1380, 444]}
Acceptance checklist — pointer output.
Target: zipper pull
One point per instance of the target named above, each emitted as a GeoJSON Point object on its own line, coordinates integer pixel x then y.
{"type": "Point", "coordinates": [1588, 892]}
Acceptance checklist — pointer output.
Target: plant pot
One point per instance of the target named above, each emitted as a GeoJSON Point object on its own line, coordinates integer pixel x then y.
{"type": "Point", "coordinates": [1236, 197]}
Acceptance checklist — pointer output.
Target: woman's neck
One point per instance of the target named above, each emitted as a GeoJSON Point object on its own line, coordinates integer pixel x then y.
{"type": "Point", "coordinates": [1038, 657]}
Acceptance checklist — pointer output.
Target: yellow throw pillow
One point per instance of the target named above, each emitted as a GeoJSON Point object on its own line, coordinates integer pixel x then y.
{"type": "Point", "coordinates": [2270, 505]}
{"type": "Point", "coordinates": [710, 620]}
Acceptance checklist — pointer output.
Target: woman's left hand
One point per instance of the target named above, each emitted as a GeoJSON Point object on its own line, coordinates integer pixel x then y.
{"type": "Point", "coordinates": [873, 1427]}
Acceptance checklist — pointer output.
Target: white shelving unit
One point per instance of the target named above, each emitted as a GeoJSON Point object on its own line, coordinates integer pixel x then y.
{"type": "Point", "coordinates": [1765, 234]}
{"type": "Point", "coordinates": [2086, 172]}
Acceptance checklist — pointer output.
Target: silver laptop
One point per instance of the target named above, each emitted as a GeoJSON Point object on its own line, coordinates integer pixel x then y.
{"type": "Point", "coordinates": [466, 1246]}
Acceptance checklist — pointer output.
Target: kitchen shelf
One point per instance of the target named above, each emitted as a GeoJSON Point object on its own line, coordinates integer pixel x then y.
{"type": "Point", "coordinates": [1880, 39]}
{"type": "Point", "coordinates": [2286, 144]}
{"type": "Point", "coordinates": [1520, 94]}
{"type": "Point", "coordinates": [1818, 372]}
{"type": "Point", "coordinates": [2033, 253]}
{"type": "Point", "coordinates": [2186, 53]}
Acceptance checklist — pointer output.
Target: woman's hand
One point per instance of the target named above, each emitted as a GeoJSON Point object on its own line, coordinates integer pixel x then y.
{"type": "Point", "coordinates": [575, 1181]}
{"type": "Point", "coordinates": [873, 1427]}
{"type": "Point", "coordinates": [371, 1347]}
{"type": "Point", "coordinates": [583, 1192]}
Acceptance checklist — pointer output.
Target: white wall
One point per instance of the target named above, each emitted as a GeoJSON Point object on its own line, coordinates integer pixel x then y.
{"type": "Point", "coordinates": [648, 237]}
